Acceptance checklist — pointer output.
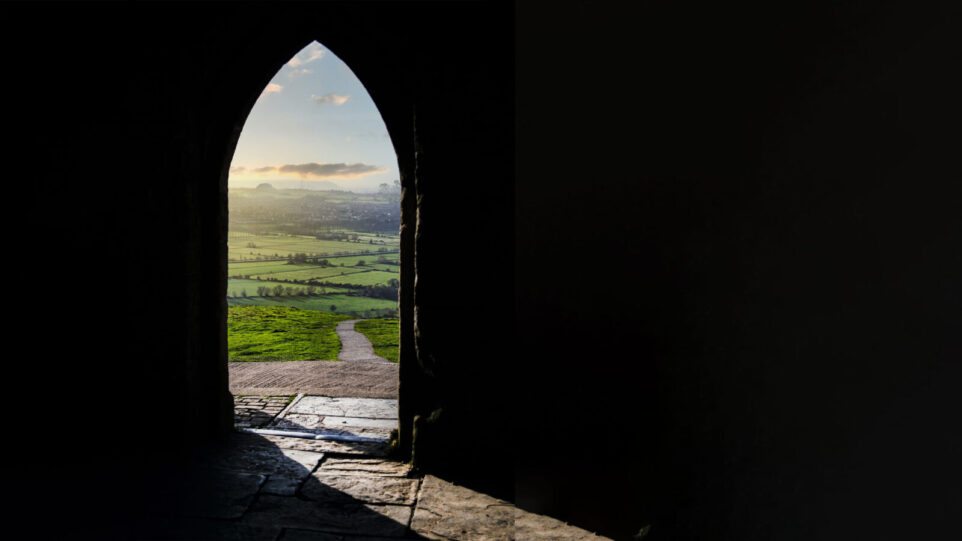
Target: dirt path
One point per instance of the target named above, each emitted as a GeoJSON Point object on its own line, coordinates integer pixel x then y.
{"type": "Point", "coordinates": [360, 373]}
{"type": "Point", "coordinates": [354, 345]}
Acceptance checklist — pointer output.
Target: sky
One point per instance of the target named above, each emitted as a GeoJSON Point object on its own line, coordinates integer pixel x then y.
{"type": "Point", "coordinates": [314, 122]}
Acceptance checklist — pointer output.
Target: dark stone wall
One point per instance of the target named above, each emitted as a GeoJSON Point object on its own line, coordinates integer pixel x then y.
{"type": "Point", "coordinates": [757, 210]}
{"type": "Point", "coordinates": [725, 240]}
{"type": "Point", "coordinates": [125, 117]}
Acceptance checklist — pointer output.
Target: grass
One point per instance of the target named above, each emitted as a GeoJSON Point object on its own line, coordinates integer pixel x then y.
{"type": "Point", "coordinates": [238, 286]}
{"type": "Point", "coordinates": [281, 333]}
{"type": "Point", "coordinates": [280, 270]}
{"type": "Point", "coordinates": [383, 334]}
{"type": "Point", "coordinates": [344, 304]}
{"type": "Point", "coordinates": [370, 278]}
{"type": "Point", "coordinates": [280, 244]}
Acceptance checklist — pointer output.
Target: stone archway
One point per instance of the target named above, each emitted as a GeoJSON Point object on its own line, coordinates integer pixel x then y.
{"type": "Point", "coordinates": [315, 127]}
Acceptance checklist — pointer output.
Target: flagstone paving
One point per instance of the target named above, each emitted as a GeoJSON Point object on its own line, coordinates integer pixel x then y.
{"type": "Point", "coordinates": [277, 488]}
{"type": "Point", "coordinates": [265, 485]}
{"type": "Point", "coordinates": [334, 417]}
{"type": "Point", "coordinates": [314, 467]}
{"type": "Point", "coordinates": [255, 411]}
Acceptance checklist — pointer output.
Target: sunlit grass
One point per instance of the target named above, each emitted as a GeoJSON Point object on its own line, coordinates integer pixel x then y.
{"type": "Point", "coordinates": [280, 333]}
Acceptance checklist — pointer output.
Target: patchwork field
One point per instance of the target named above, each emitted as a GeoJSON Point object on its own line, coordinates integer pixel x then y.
{"type": "Point", "coordinates": [301, 260]}
{"type": "Point", "coordinates": [243, 246]}
{"type": "Point", "coordinates": [281, 270]}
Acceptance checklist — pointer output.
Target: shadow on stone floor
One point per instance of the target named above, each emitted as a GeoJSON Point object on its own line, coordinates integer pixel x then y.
{"type": "Point", "coordinates": [253, 489]}
{"type": "Point", "coordinates": [260, 487]}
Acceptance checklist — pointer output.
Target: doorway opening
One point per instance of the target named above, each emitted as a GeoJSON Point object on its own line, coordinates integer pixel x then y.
{"type": "Point", "coordinates": [313, 258]}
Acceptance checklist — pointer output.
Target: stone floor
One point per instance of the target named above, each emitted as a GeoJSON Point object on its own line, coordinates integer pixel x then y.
{"type": "Point", "coordinates": [332, 481]}
{"type": "Point", "coordinates": [258, 411]}
{"type": "Point", "coordinates": [355, 418]}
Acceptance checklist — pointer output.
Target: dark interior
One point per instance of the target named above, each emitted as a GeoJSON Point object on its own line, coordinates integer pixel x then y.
{"type": "Point", "coordinates": [716, 282]}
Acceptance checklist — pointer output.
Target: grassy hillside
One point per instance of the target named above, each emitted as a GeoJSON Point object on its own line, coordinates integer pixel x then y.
{"type": "Point", "coordinates": [281, 333]}
{"type": "Point", "coordinates": [343, 304]}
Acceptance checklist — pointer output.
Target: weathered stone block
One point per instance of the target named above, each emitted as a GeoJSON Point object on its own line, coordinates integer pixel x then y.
{"type": "Point", "coordinates": [354, 518]}
{"type": "Point", "coordinates": [214, 493]}
{"type": "Point", "coordinates": [307, 535]}
{"type": "Point", "coordinates": [285, 468]}
{"type": "Point", "coordinates": [372, 408]}
{"type": "Point", "coordinates": [191, 529]}
{"type": "Point", "coordinates": [448, 511]}
{"type": "Point", "coordinates": [332, 421]}
{"type": "Point", "coordinates": [298, 421]}
{"type": "Point", "coordinates": [364, 466]}
{"type": "Point", "coordinates": [366, 488]}
{"type": "Point", "coordinates": [373, 449]}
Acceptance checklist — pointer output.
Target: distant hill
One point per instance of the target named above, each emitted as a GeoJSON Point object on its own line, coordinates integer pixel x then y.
{"type": "Point", "coordinates": [324, 185]}
{"type": "Point", "coordinates": [264, 186]}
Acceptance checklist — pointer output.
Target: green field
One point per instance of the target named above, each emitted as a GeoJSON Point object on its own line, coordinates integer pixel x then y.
{"type": "Point", "coordinates": [243, 246]}
{"type": "Point", "coordinates": [383, 334]}
{"type": "Point", "coordinates": [281, 333]}
{"type": "Point", "coordinates": [344, 304]}
{"type": "Point", "coordinates": [370, 278]}
{"type": "Point", "coordinates": [321, 230]}
{"type": "Point", "coordinates": [236, 287]}
{"type": "Point", "coordinates": [305, 273]}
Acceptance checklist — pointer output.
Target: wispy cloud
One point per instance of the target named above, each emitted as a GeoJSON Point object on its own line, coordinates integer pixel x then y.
{"type": "Point", "coordinates": [336, 99]}
{"type": "Point", "coordinates": [312, 52]}
{"type": "Point", "coordinates": [271, 89]}
{"type": "Point", "coordinates": [329, 170]}
{"type": "Point", "coordinates": [312, 170]}
{"type": "Point", "coordinates": [298, 72]}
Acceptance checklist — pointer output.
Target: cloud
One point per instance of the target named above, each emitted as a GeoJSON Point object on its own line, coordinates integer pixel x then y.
{"type": "Point", "coordinates": [336, 99]}
{"type": "Point", "coordinates": [327, 170]}
{"type": "Point", "coordinates": [298, 72]}
{"type": "Point", "coordinates": [312, 52]}
{"type": "Point", "coordinates": [271, 89]}
{"type": "Point", "coordinates": [238, 169]}
{"type": "Point", "coordinates": [266, 169]}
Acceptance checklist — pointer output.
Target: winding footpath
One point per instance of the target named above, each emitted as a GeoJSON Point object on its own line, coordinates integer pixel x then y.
{"type": "Point", "coordinates": [354, 345]}
{"type": "Point", "coordinates": [360, 374]}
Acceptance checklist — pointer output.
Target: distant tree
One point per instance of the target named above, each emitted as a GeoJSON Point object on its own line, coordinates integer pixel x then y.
{"type": "Point", "coordinates": [360, 263]}
{"type": "Point", "coordinates": [244, 293]}
{"type": "Point", "coordinates": [278, 290]}
{"type": "Point", "coordinates": [333, 308]}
